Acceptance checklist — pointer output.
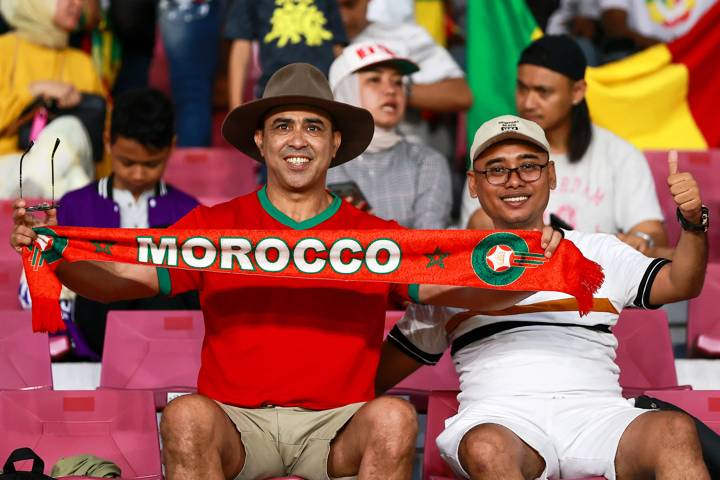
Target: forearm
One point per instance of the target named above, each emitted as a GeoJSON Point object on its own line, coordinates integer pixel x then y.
{"type": "Point", "coordinates": [614, 22]}
{"type": "Point", "coordinates": [237, 70]}
{"type": "Point", "coordinates": [470, 298]}
{"type": "Point", "coordinates": [451, 95]}
{"type": "Point", "coordinates": [653, 228]}
{"type": "Point", "coordinates": [687, 271]}
{"type": "Point", "coordinates": [108, 281]}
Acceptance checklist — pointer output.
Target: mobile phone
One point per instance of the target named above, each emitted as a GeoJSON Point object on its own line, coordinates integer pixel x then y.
{"type": "Point", "coordinates": [349, 189]}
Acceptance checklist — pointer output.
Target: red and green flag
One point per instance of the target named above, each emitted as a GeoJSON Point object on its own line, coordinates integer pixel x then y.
{"type": "Point", "coordinates": [482, 259]}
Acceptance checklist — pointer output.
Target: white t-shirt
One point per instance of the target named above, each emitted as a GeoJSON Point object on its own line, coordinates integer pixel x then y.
{"type": "Point", "coordinates": [537, 359]}
{"type": "Point", "coordinates": [394, 11]}
{"type": "Point", "coordinates": [559, 21]}
{"type": "Point", "coordinates": [657, 19]}
{"type": "Point", "coordinates": [434, 61]}
{"type": "Point", "coordinates": [610, 190]}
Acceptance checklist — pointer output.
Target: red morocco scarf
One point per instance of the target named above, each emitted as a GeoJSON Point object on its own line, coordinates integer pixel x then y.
{"type": "Point", "coordinates": [483, 259]}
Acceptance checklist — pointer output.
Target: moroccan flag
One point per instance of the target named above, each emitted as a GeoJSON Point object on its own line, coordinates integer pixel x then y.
{"type": "Point", "coordinates": [665, 97]}
{"type": "Point", "coordinates": [498, 31]}
{"type": "Point", "coordinates": [484, 259]}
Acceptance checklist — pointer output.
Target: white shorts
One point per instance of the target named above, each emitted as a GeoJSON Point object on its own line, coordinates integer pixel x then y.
{"type": "Point", "coordinates": [576, 437]}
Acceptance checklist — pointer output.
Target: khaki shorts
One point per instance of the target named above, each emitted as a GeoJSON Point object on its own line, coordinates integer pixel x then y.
{"type": "Point", "coordinates": [282, 441]}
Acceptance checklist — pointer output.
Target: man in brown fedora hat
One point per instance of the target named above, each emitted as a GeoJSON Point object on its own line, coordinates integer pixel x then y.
{"type": "Point", "coordinates": [286, 381]}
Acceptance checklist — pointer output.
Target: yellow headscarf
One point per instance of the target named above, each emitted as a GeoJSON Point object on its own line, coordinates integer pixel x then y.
{"type": "Point", "coordinates": [33, 21]}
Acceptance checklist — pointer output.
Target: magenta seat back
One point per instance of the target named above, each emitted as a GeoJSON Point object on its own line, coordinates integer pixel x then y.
{"type": "Point", "coordinates": [119, 426]}
{"type": "Point", "coordinates": [441, 405]}
{"type": "Point", "coordinates": [703, 316]}
{"type": "Point", "coordinates": [427, 378]}
{"type": "Point", "coordinates": [704, 167]}
{"type": "Point", "coordinates": [24, 355]}
{"type": "Point", "coordinates": [702, 404]}
{"type": "Point", "coordinates": [10, 272]}
{"type": "Point", "coordinates": [154, 350]}
{"type": "Point", "coordinates": [644, 353]}
{"type": "Point", "coordinates": [214, 171]}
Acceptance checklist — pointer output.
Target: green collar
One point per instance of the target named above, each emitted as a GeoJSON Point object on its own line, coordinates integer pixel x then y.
{"type": "Point", "coordinates": [289, 222]}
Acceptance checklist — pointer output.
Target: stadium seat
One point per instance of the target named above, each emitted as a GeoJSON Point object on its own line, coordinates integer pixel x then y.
{"type": "Point", "coordinates": [703, 165]}
{"type": "Point", "coordinates": [24, 355]}
{"type": "Point", "coordinates": [119, 426]}
{"type": "Point", "coordinates": [703, 328]}
{"type": "Point", "coordinates": [152, 350]}
{"type": "Point", "coordinates": [10, 271]}
{"type": "Point", "coordinates": [702, 404]}
{"type": "Point", "coordinates": [212, 172]}
{"type": "Point", "coordinates": [419, 384]}
{"type": "Point", "coordinates": [442, 405]}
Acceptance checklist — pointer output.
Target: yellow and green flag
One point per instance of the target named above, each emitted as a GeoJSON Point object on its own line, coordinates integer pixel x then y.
{"type": "Point", "coordinates": [665, 97]}
{"type": "Point", "coordinates": [498, 31]}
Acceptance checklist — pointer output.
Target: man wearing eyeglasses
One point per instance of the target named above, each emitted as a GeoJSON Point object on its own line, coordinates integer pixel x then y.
{"type": "Point", "coordinates": [540, 396]}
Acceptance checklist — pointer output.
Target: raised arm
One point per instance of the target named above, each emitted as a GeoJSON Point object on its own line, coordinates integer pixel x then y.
{"type": "Point", "coordinates": [683, 278]}
{"type": "Point", "coordinates": [101, 281]}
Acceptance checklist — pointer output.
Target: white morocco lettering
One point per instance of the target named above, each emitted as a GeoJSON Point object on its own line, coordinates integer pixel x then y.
{"type": "Point", "coordinates": [309, 255]}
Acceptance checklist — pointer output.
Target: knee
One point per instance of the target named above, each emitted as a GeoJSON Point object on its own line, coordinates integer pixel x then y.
{"type": "Point", "coordinates": [394, 421]}
{"type": "Point", "coordinates": [679, 431]}
{"type": "Point", "coordinates": [187, 423]}
{"type": "Point", "coordinates": [482, 449]}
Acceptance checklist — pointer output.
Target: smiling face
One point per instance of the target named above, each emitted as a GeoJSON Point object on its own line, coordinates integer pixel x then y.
{"type": "Point", "coordinates": [546, 97]}
{"type": "Point", "coordinates": [67, 14]}
{"type": "Point", "coordinates": [515, 204]}
{"type": "Point", "coordinates": [298, 146]}
{"type": "Point", "coordinates": [383, 94]}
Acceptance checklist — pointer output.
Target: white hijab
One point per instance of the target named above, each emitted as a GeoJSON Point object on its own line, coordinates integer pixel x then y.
{"type": "Point", "coordinates": [348, 91]}
{"type": "Point", "coordinates": [33, 21]}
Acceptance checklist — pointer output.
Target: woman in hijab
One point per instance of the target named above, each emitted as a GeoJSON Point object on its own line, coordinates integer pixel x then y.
{"type": "Point", "coordinates": [36, 62]}
{"type": "Point", "coordinates": [403, 181]}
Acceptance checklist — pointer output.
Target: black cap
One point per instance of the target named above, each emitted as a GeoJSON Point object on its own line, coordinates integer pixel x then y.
{"type": "Point", "coordinates": [559, 53]}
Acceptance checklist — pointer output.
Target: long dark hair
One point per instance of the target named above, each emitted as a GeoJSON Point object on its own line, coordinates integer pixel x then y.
{"type": "Point", "coordinates": [580, 132]}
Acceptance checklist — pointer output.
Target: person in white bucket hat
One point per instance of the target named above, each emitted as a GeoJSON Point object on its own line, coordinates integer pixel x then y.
{"type": "Point", "coordinates": [397, 179]}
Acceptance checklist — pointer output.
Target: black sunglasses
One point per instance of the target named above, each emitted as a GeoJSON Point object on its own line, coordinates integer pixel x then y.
{"type": "Point", "coordinates": [42, 207]}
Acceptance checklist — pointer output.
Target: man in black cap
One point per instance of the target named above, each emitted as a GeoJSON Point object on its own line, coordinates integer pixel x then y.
{"type": "Point", "coordinates": [604, 183]}
{"type": "Point", "coordinates": [286, 380]}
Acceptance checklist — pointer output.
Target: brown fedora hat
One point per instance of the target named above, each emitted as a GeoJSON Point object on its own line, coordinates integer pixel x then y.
{"type": "Point", "coordinates": [300, 84]}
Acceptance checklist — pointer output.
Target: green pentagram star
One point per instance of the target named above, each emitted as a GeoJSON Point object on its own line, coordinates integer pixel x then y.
{"type": "Point", "coordinates": [103, 247]}
{"type": "Point", "coordinates": [436, 258]}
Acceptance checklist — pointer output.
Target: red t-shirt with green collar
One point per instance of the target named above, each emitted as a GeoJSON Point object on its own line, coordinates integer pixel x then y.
{"type": "Point", "coordinates": [280, 341]}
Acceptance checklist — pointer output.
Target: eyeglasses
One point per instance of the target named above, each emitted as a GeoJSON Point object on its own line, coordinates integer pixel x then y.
{"type": "Point", "coordinates": [45, 205]}
{"type": "Point", "coordinates": [528, 172]}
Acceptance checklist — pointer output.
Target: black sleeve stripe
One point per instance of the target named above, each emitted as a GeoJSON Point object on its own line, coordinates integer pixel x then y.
{"type": "Point", "coordinates": [642, 300]}
{"type": "Point", "coordinates": [397, 338]}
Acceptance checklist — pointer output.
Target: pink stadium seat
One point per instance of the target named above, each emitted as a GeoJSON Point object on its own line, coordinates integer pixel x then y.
{"type": "Point", "coordinates": [703, 328]}
{"type": "Point", "coordinates": [644, 353]}
{"type": "Point", "coordinates": [702, 404]}
{"type": "Point", "coordinates": [10, 271]}
{"type": "Point", "coordinates": [442, 405]}
{"type": "Point", "coordinates": [119, 426]}
{"type": "Point", "coordinates": [152, 350]}
{"type": "Point", "coordinates": [703, 165]}
{"type": "Point", "coordinates": [212, 172]}
{"type": "Point", "coordinates": [425, 379]}
{"type": "Point", "coordinates": [24, 355]}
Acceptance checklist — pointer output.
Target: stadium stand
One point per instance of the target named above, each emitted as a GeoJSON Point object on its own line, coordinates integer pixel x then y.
{"type": "Point", "coordinates": [703, 328]}
{"type": "Point", "coordinates": [119, 426]}
{"type": "Point", "coordinates": [212, 172]}
{"type": "Point", "coordinates": [152, 350]}
{"type": "Point", "coordinates": [24, 355]}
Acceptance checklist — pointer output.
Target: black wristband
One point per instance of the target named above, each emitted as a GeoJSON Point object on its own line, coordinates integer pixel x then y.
{"type": "Point", "coordinates": [695, 227]}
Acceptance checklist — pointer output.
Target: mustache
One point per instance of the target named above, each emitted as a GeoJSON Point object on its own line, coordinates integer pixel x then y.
{"type": "Point", "coordinates": [289, 151]}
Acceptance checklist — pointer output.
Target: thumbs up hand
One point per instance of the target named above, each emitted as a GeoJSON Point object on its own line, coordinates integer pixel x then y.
{"type": "Point", "coordinates": [684, 190]}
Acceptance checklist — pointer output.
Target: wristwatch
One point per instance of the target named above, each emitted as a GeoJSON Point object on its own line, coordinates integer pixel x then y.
{"type": "Point", "coordinates": [695, 227]}
{"type": "Point", "coordinates": [646, 237]}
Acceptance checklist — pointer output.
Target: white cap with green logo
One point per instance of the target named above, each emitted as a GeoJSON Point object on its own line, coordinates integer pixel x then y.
{"type": "Point", "coordinates": [505, 127]}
